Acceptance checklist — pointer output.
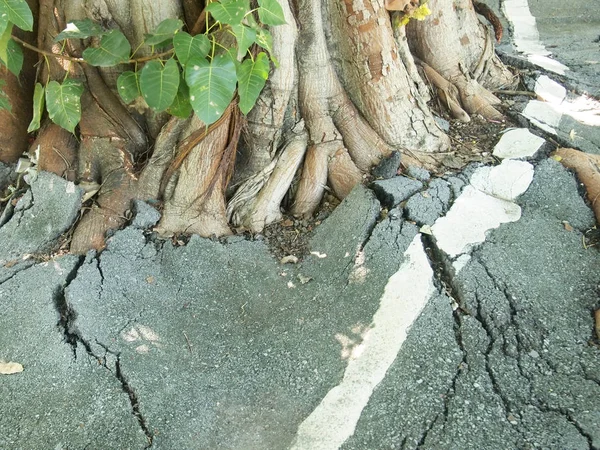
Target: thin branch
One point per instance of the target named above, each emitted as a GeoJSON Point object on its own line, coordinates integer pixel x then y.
{"type": "Point", "coordinates": [83, 61]}
{"type": "Point", "coordinates": [46, 53]}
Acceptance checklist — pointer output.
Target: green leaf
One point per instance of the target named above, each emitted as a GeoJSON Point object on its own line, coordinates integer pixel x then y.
{"type": "Point", "coordinates": [229, 12]}
{"type": "Point", "coordinates": [14, 54]}
{"type": "Point", "coordinates": [63, 102]}
{"type": "Point", "coordinates": [187, 46]}
{"type": "Point", "coordinates": [80, 29]}
{"type": "Point", "coordinates": [252, 76]}
{"type": "Point", "coordinates": [164, 31]}
{"type": "Point", "coordinates": [128, 86]}
{"type": "Point", "coordinates": [245, 37]}
{"type": "Point", "coordinates": [38, 107]}
{"type": "Point", "coordinates": [4, 40]}
{"type": "Point", "coordinates": [4, 100]}
{"type": "Point", "coordinates": [159, 83]}
{"type": "Point", "coordinates": [264, 39]}
{"type": "Point", "coordinates": [18, 12]}
{"type": "Point", "coordinates": [114, 49]}
{"type": "Point", "coordinates": [270, 12]}
{"type": "Point", "coordinates": [3, 22]}
{"type": "Point", "coordinates": [212, 85]}
{"type": "Point", "coordinates": [181, 106]}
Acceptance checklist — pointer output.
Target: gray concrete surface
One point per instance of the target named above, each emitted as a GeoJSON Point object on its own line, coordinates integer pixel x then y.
{"type": "Point", "coordinates": [40, 217]}
{"type": "Point", "coordinates": [217, 345]}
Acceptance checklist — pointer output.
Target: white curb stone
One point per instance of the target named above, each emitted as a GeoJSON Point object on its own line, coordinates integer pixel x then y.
{"type": "Point", "coordinates": [518, 143]}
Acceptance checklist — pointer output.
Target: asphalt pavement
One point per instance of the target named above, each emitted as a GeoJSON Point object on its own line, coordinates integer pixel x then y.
{"type": "Point", "coordinates": [443, 313]}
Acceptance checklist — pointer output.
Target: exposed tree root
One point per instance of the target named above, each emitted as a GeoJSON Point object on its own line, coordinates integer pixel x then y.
{"type": "Point", "coordinates": [346, 94]}
{"type": "Point", "coordinates": [461, 66]}
{"type": "Point", "coordinates": [57, 150]}
{"type": "Point", "coordinates": [342, 145]}
{"type": "Point", "coordinates": [257, 202]}
{"type": "Point", "coordinates": [197, 204]}
{"type": "Point", "coordinates": [587, 167]}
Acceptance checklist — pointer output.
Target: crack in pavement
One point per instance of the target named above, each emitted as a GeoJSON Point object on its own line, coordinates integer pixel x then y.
{"type": "Point", "coordinates": [568, 415]}
{"type": "Point", "coordinates": [73, 338]}
{"type": "Point", "coordinates": [443, 280]}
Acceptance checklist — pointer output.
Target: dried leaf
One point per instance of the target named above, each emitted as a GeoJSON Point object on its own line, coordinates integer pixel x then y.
{"type": "Point", "coordinates": [567, 225]}
{"type": "Point", "coordinates": [9, 368]}
{"type": "Point", "coordinates": [290, 259]}
{"type": "Point", "coordinates": [303, 279]}
{"type": "Point", "coordinates": [426, 229]}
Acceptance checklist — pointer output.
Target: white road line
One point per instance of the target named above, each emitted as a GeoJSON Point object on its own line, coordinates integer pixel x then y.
{"type": "Point", "coordinates": [526, 37]}
{"type": "Point", "coordinates": [405, 296]}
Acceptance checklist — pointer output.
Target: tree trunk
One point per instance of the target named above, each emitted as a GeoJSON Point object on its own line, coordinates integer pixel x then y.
{"type": "Point", "coordinates": [347, 93]}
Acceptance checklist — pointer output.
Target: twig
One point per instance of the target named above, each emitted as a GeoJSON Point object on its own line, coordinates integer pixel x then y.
{"type": "Point", "coordinates": [189, 345]}
{"type": "Point", "coordinates": [83, 61]}
{"type": "Point", "coordinates": [527, 93]}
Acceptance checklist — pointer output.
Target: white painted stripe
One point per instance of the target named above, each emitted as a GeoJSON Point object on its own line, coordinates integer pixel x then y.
{"type": "Point", "coordinates": [335, 418]}
{"type": "Point", "coordinates": [526, 37]}
{"type": "Point", "coordinates": [584, 109]}
{"type": "Point", "coordinates": [483, 205]}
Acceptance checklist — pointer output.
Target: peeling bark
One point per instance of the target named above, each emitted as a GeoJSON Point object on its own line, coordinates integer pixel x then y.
{"type": "Point", "coordinates": [376, 79]}
{"type": "Point", "coordinates": [459, 47]}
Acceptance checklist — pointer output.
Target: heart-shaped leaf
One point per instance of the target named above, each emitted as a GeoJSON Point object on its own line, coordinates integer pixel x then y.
{"type": "Point", "coordinates": [4, 40]}
{"type": "Point", "coordinates": [164, 31]}
{"type": "Point", "coordinates": [128, 86]}
{"type": "Point", "coordinates": [17, 12]}
{"type": "Point", "coordinates": [80, 29]}
{"type": "Point", "coordinates": [38, 107]}
{"type": "Point", "coordinates": [181, 106]}
{"type": "Point", "coordinates": [212, 85]}
{"type": "Point", "coordinates": [187, 46]}
{"type": "Point", "coordinates": [245, 37]}
{"type": "Point", "coordinates": [159, 83]}
{"type": "Point", "coordinates": [114, 49]}
{"type": "Point", "coordinates": [252, 76]}
{"type": "Point", "coordinates": [230, 12]}
{"type": "Point", "coordinates": [63, 102]}
{"type": "Point", "coordinates": [264, 39]}
{"type": "Point", "coordinates": [14, 57]}
{"type": "Point", "coordinates": [270, 12]}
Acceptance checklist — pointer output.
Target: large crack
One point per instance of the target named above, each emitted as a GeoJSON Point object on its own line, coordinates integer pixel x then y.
{"type": "Point", "coordinates": [444, 274]}
{"type": "Point", "coordinates": [442, 277]}
{"type": "Point", "coordinates": [74, 338]}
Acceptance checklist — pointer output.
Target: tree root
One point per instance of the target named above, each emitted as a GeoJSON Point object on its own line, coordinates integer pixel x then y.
{"type": "Point", "coordinates": [587, 167]}
{"type": "Point", "coordinates": [197, 204]}
{"type": "Point", "coordinates": [462, 66]}
{"type": "Point", "coordinates": [257, 202]}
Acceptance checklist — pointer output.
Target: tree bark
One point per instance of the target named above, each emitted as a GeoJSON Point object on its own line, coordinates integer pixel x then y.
{"type": "Point", "coordinates": [347, 93]}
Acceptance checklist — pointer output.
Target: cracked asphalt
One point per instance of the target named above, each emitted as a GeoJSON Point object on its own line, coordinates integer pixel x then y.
{"type": "Point", "coordinates": [405, 327]}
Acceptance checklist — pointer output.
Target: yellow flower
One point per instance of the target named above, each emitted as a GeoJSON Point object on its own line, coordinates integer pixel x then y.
{"type": "Point", "coordinates": [421, 12]}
